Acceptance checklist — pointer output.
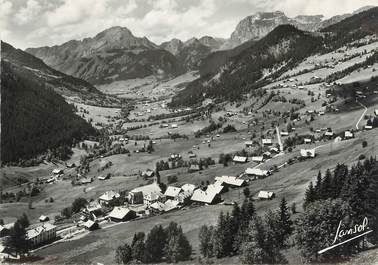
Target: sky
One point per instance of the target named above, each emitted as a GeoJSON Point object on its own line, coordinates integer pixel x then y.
{"type": "Point", "coordinates": [35, 23]}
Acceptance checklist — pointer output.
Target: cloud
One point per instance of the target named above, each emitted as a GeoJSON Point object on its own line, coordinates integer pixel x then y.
{"type": "Point", "coordinates": [32, 23]}
{"type": "Point", "coordinates": [28, 13]}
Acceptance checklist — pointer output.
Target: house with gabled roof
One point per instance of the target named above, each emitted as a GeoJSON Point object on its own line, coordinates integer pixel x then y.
{"type": "Point", "coordinates": [108, 197]}
{"type": "Point", "coordinates": [121, 214]}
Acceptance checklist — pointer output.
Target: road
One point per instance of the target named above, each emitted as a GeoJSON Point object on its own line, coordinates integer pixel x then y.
{"type": "Point", "coordinates": [362, 116]}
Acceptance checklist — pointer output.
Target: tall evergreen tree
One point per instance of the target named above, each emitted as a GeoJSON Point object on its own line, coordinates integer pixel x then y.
{"type": "Point", "coordinates": [17, 240]}
{"type": "Point", "coordinates": [154, 245]}
{"type": "Point", "coordinates": [284, 222]}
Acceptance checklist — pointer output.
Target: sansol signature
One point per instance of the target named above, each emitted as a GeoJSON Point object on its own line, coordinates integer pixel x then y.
{"type": "Point", "coordinates": [358, 230]}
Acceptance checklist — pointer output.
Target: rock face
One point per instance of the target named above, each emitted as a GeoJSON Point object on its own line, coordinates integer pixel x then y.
{"type": "Point", "coordinates": [260, 24]}
{"type": "Point", "coordinates": [191, 52]}
{"type": "Point", "coordinates": [114, 54]}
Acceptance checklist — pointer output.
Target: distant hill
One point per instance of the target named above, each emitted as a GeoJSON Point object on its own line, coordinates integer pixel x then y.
{"type": "Point", "coordinates": [113, 54]}
{"type": "Point", "coordinates": [285, 46]}
{"type": "Point", "coordinates": [65, 85]}
{"type": "Point", "coordinates": [35, 118]}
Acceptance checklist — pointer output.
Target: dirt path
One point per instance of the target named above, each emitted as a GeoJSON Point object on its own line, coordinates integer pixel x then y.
{"type": "Point", "coordinates": [363, 114]}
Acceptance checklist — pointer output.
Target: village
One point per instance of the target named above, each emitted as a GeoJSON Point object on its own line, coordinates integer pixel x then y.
{"type": "Point", "coordinates": [155, 164]}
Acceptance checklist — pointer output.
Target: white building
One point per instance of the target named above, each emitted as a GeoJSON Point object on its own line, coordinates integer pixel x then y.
{"type": "Point", "coordinates": [41, 234]}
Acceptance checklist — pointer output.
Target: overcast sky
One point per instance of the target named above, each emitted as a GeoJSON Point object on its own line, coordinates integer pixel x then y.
{"type": "Point", "coordinates": [33, 23]}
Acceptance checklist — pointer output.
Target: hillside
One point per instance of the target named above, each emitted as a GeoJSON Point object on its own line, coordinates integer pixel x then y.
{"type": "Point", "coordinates": [279, 50]}
{"type": "Point", "coordinates": [112, 55]}
{"type": "Point", "coordinates": [70, 87]}
{"type": "Point", "coordinates": [35, 118]}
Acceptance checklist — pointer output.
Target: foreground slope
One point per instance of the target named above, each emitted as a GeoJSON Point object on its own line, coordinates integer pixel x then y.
{"type": "Point", "coordinates": [34, 117]}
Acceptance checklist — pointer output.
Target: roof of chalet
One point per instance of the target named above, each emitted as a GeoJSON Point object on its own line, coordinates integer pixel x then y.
{"type": "Point", "coordinates": [256, 172]}
{"type": "Point", "coordinates": [230, 180]}
{"type": "Point", "coordinates": [265, 194]}
{"type": "Point", "coordinates": [308, 152]}
{"type": "Point", "coordinates": [39, 229]}
{"type": "Point", "coordinates": [257, 158]}
{"type": "Point", "coordinates": [241, 159]}
{"type": "Point", "coordinates": [119, 212]}
{"type": "Point", "coordinates": [172, 191]}
{"type": "Point", "coordinates": [148, 189]}
{"type": "Point", "coordinates": [207, 196]}
{"type": "Point", "coordinates": [109, 195]}
{"type": "Point", "coordinates": [266, 141]}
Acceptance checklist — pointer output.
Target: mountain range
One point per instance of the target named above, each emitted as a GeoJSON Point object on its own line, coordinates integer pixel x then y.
{"type": "Point", "coordinates": [282, 49]}
{"type": "Point", "coordinates": [116, 54]}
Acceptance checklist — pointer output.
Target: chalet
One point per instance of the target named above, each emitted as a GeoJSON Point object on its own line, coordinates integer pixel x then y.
{"type": "Point", "coordinates": [70, 165]}
{"type": "Point", "coordinates": [151, 193]}
{"type": "Point", "coordinates": [175, 156]}
{"type": "Point", "coordinates": [248, 143]}
{"type": "Point", "coordinates": [368, 127]}
{"type": "Point", "coordinates": [265, 195]}
{"type": "Point", "coordinates": [206, 197]}
{"type": "Point", "coordinates": [348, 135]}
{"type": "Point", "coordinates": [108, 197]}
{"type": "Point", "coordinates": [192, 155]}
{"type": "Point", "coordinates": [328, 134]}
{"type": "Point", "coordinates": [84, 181]}
{"type": "Point", "coordinates": [172, 192]}
{"type": "Point", "coordinates": [104, 177]}
{"type": "Point", "coordinates": [307, 141]}
{"type": "Point", "coordinates": [187, 191]}
{"type": "Point", "coordinates": [148, 173]}
{"type": "Point", "coordinates": [194, 168]}
{"type": "Point", "coordinates": [41, 234]}
{"type": "Point", "coordinates": [274, 149]}
{"type": "Point", "coordinates": [240, 159]}
{"type": "Point", "coordinates": [164, 125]}
{"type": "Point", "coordinates": [284, 133]}
{"type": "Point", "coordinates": [256, 172]}
{"type": "Point", "coordinates": [267, 141]}
{"type": "Point", "coordinates": [308, 153]}
{"type": "Point", "coordinates": [376, 112]}
{"type": "Point", "coordinates": [267, 154]}
{"type": "Point", "coordinates": [94, 208]}
{"type": "Point", "coordinates": [230, 181]}
{"type": "Point", "coordinates": [258, 159]}
{"type": "Point", "coordinates": [121, 214]}
{"type": "Point", "coordinates": [91, 225]}
{"type": "Point", "coordinates": [338, 139]}
{"type": "Point", "coordinates": [169, 205]}
{"type": "Point", "coordinates": [44, 218]}
{"type": "Point", "coordinates": [57, 171]}
{"type": "Point", "coordinates": [174, 126]}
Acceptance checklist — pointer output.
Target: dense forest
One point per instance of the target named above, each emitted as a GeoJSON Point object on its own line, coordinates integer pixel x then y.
{"type": "Point", "coordinates": [346, 195]}
{"type": "Point", "coordinates": [35, 119]}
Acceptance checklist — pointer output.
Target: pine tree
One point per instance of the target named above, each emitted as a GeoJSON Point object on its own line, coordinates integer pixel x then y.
{"type": "Point", "coordinates": [123, 254]}
{"type": "Point", "coordinates": [309, 195]}
{"type": "Point", "coordinates": [138, 247]}
{"type": "Point", "coordinates": [154, 245]}
{"type": "Point", "coordinates": [318, 187]}
{"type": "Point", "coordinates": [206, 241]}
{"type": "Point", "coordinates": [17, 239]}
{"type": "Point", "coordinates": [284, 222]}
{"type": "Point", "coordinates": [326, 190]}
